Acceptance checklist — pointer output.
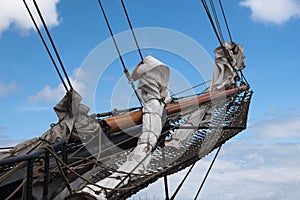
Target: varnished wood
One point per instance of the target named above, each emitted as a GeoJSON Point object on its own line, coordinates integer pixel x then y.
{"type": "Point", "coordinates": [120, 122]}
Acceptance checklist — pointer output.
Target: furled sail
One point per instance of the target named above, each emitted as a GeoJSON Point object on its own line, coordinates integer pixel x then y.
{"type": "Point", "coordinates": [74, 122]}
{"type": "Point", "coordinates": [153, 77]}
{"type": "Point", "coordinates": [229, 59]}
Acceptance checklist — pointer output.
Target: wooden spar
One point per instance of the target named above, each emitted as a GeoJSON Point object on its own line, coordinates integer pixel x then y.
{"type": "Point", "coordinates": [120, 122]}
{"type": "Point", "coordinates": [123, 121]}
{"type": "Point", "coordinates": [202, 99]}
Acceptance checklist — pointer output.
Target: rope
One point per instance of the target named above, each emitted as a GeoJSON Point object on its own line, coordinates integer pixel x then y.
{"type": "Point", "coordinates": [206, 175]}
{"type": "Point", "coordinates": [211, 21]}
{"type": "Point", "coordinates": [148, 154]}
{"type": "Point", "coordinates": [6, 148]}
{"type": "Point", "coordinates": [181, 183]}
{"type": "Point", "coordinates": [17, 189]}
{"type": "Point", "coordinates": [243, 77]}
{"type": "Point", "coordinates": [220, 38]}
{"type": "Point", "coordinates": [194, 95]}
{"type": "Point", "coordinates": [78, 175]}
{"type": "Point", "coordinates": [126, 72]}
{"type": "Point", "coordinates": [190, 88]}
{"type": "Point", "coordinates": [66, 180]}
{"type": "Point", "coordinates": [165, 177]}
{"type": "Point", "coordinates": [52, 151]}
{"type": "Point", "coordinates": [112, 35]}
{"type": "Point", "coordinates": [144, 179]}
{"type": "Point", "coordinates": [216, 20]}
{"type": "Point", "coordinates": [226, 23]}
{"type": "Point", "coordinates": [71, 170]}
{"type": "Point", "coordinates": [45, 45]}
{"type": "Point", "coordinates": [148, 177]}
{"type": "Point", "coordinates": [132, 31]}
{"type": "Point", "coordinates": [131, 173]}
{"type": "Point", "coordinates": [53, 45]}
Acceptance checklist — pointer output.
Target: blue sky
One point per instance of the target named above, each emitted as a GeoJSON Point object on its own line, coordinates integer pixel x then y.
{"type": "Point", "coordinates": [268, 30]}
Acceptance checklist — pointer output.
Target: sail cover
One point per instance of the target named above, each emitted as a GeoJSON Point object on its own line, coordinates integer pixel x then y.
{"type": "Point", "coordinates": [153, 77]}
{"type": "Point", "coordinates": [229, 59]}
{"type": "Point", "coordinates": [73, 121]}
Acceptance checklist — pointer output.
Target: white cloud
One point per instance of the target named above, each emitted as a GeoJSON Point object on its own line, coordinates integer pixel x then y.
{"type": "Point", "coordinates": [48, 94]}
{"type": "Point", "coordinates": [14, 14]}
{"type": "Point", "coordinates": [280, 128]}
{"type": "Point", "coordinates": [33, 108]}
{"type": "Point", "coordinates": [6, 89]}
{"type": "Point", "coordinates": [242, 171]}
{"type": "Point", "coordinates": [273, 11]}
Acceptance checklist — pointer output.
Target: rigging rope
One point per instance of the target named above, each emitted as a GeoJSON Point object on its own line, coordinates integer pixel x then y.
{"type": "Point", "coordinates": [206, 175]}
{"type": "Point", "coordinates": [126, 72]}
{"type": "Point", "coordinates": [112, 36]}
{"type": "Point", "coordinates": [218, 35]}
{"type": "Point", "coordinates": [226, 23]}
{"type": "Point", "coordinates": [165, 176]}
{"type": "Point", "coordinates": [53, 45]}
{"type": "Point", "coordinates": [181, 183]}
{"type": "Point", "coordinates": [212, 5]}
{"type": "Point", "coordinates": [132, 31]}
{"type": "Point", "coordinates": [244, 78]}
{"type": "Point", "coordinates": [45, 45]}
{"type": "Point", "coordinates": [147, 155]}
{"type": "Point", "coordinates": [188, 89]}
{"type": "Point", "coordinates": [211, 21]}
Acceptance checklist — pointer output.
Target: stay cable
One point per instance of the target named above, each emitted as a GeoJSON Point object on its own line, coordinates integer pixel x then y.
{"type": "Point", "coordinates": [53, 45]}
{"type": "Point", "coordinates": [45, 45]}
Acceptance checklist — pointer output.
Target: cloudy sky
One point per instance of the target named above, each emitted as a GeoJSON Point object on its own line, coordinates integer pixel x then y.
{"type": "Point", "coordinates": [260, 163]}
